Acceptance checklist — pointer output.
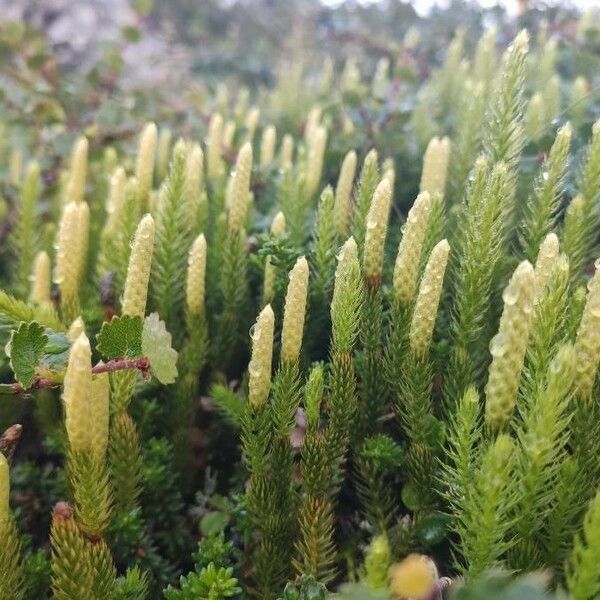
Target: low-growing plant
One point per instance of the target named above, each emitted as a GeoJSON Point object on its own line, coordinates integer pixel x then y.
{"type": "Point", "coordinates": [415, 412]}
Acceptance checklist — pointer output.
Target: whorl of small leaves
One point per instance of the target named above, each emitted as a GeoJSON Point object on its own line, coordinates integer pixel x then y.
{"type": "Point", "coordinates": [504, 133]}
{"type": "Point", "coordinates": [172, 241]}
{"type": "Point", "coordinates": [12, 583]}
{"type": "Point", "coordinates": [125, 462]}
{"type": "Point", "coordinates": [542, 208]}
{"type": "Point", "coordinates": [548, 328]}
{"type": "Point", "coordinates": [72, 575]}
{"type": "Point", "coordinates": [24, 238]}
{"type": "Point", "coordinates": [479, 252]}
{"type": "Point", "coordinates": [368, 180]}
{"type": "Point", "coordinates": [583, 577]}
{"type": "Point", "coordinates": [91, 492]}
{"type": "Point", "coordinates": [581, 219]}
{"type": "Point", "coordinates": [543, 439]}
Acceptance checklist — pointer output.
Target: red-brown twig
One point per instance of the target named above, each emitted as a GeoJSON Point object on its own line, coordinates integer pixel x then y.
{"type": "Point", "coordinates": [142, 364]}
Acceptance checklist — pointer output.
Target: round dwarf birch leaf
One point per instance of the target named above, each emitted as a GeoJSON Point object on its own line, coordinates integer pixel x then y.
{"type": "Point", "coordinates": [121, 337]}
{"type": "Point", "coordinates": [156, 346]}
{"type": "Point", "coordinates": [27, 345]}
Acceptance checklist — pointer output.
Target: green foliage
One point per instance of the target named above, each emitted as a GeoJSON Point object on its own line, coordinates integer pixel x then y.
{"type": "Point", "coordinates": [72, 574]}
{"type": "Point", "coordinates": [543, 438]}
{"type": "Point", "coordinates": [91, 492]}
{"type": "Point", "coordinates": [581, 219]}
{"type": "Point", "coordinates": [367, 182]}
{"type": "Point", "coordinates": [543, 206]}
{"type": "Point", "coordinates": [27, 345]}
{"type": "Point", "coordinates": [499, 585]}
{"type": "Point", "coordinates": [14, 311]}
{"type": "Point", "coordinates": [364, 451]}
{"type": "Point", "coordinates": [230, 404]}
{"type": "Point", "coordinates": [25, 236]}
{"type": "Point", "coordinates": [156, 346]}
{"type": "Point", "coordinates": [304, 588]}
{"type": "Point", "coordinates": [209, 584]}
{"type": "Point", "coordinates": [125, 461]}
{"type": "Point", "coordinates": [132, 586]}
{"type": "Point", "coordinates": [121, 337]}
{"type": "Point", "coordinates": [233, 292]}
{"type": "Point", "coordinates": [11, 568]}
{"type": "Point", "coordinates": [583, 579]}
{"type": "Point", "coordinates": [479, 253]}
{"type": "Point", "coordinates": [172, 242]}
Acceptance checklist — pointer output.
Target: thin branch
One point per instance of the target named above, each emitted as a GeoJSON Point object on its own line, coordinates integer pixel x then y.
{"type": "Point", "coordinates": [142, 364]}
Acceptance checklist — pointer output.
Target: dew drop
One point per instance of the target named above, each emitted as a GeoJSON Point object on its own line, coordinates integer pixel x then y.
{"type": "Point", "coordinates": [510, 295]}
{"type": "Point", "coordinates": [498, 346]}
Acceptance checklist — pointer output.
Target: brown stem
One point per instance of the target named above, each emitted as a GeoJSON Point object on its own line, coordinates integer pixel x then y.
{"type": "Point", "coordinates": [142, 364]}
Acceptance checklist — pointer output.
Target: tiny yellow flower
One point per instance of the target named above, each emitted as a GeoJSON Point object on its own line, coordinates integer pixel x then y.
{"type": "Point", "coordinates": [413, 578]}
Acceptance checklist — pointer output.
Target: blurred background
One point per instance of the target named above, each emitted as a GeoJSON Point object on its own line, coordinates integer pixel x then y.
{"type": "Point", "coordinates": [102, 67]}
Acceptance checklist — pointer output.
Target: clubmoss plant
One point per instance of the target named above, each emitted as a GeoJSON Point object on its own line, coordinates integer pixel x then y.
{"type": "Point", "coordinates": [508, 347]}
{"type": "Point", "coordinates": [343, 194]}
{"type": "Point", "coordinates": [416, 406]}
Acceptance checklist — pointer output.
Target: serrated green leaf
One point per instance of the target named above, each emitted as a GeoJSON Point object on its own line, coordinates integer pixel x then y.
{"type": "Point", "coordinates": [156, 346]}
{"type": "Point", "coordinates": [121, 337]}
{"type": "Point", "coordinates": [27, 345]}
